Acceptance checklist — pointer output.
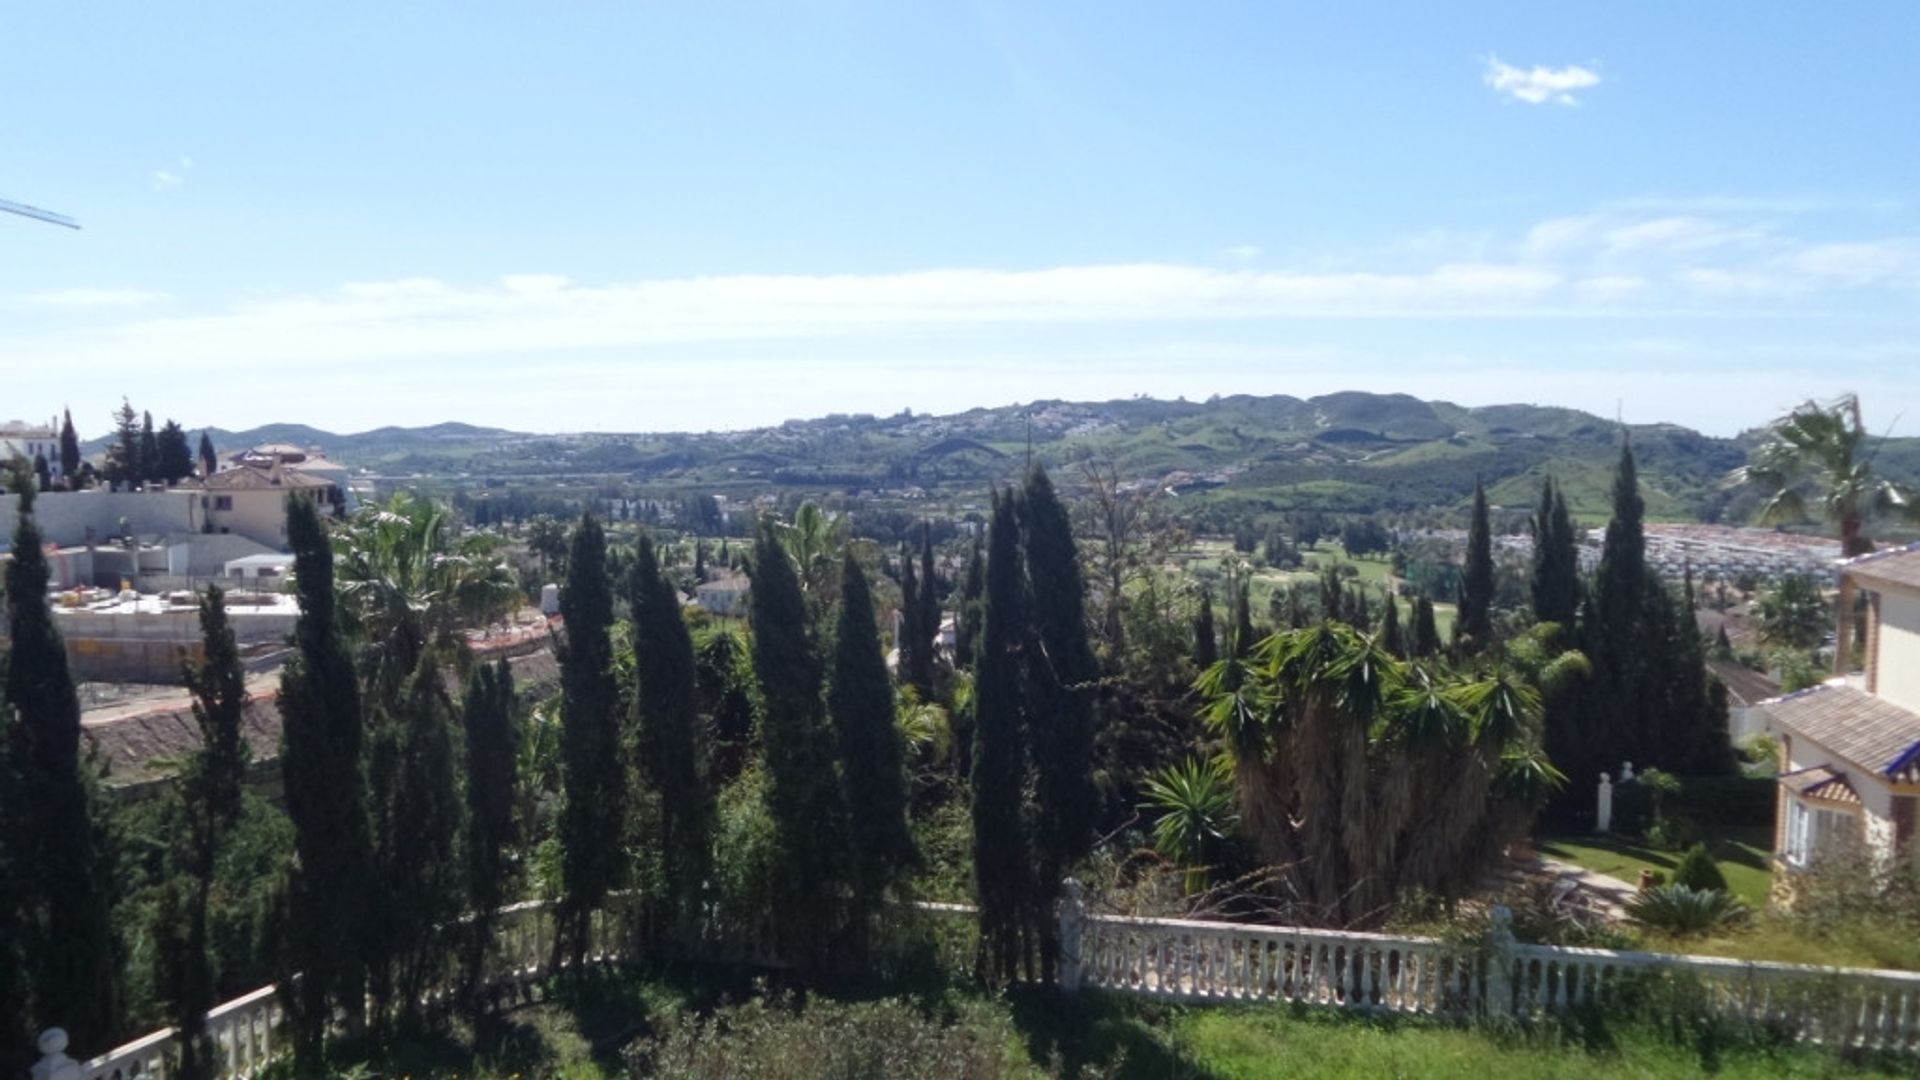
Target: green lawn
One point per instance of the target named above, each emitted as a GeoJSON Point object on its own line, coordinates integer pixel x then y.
{"type": "Point", "coordinates": [1743, 856]}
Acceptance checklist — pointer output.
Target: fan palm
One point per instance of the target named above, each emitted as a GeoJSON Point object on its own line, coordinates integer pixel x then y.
{"type": "Point", "coordinates": [410, 582]}
{"type": "Point", "coordinates": [1817, 458]}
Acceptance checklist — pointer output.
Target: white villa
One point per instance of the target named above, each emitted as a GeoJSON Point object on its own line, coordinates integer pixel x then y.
{"type": "Point", "coordinates": [1850, 748]}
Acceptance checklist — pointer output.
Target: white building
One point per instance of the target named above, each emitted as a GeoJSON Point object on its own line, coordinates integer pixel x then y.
{"type": "Point", "coordinates": [29, 441]}
{"type": "Point", "coordinates": [1850, 748]}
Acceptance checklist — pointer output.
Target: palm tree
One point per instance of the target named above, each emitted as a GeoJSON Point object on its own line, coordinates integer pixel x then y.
{"type": "Point", "coordinates": [410, 583]}
{"type": "Point", "coordinates": [813, 542]}
{"type": "Point", "coordinates": [1817, 456]}
{"type": "Point", "coordinates": [1195, 803]}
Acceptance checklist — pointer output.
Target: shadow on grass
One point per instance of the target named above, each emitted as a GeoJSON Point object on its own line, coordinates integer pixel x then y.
{"type": "Point", "coordinates": [1073, 1034]}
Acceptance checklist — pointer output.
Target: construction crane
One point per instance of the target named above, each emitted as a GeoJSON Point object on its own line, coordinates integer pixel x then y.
{"type": "Point", "coordinates": [38, 214]}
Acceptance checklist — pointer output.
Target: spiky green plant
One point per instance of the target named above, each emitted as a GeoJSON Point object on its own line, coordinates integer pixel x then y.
{"type": "Point", "coordinates": [1195, 802]}
{"type": "Point", "coordinates": [1677, 909]}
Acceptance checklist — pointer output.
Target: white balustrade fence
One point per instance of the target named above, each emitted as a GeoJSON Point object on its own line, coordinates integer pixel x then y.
{"type": "Point", "coordinates": [1191, 960]}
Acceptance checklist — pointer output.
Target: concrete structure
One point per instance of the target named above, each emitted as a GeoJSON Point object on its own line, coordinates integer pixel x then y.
{"type": "Point", "coordinates": [270, 569]}
{"type": "Point", "coordinates": [1851, 747]}
{"type": "Point", "coordinates": [129, 637]}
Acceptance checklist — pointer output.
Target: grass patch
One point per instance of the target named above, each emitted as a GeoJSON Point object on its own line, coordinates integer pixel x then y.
{"type": "Point", "coordinates": [1742, 854]}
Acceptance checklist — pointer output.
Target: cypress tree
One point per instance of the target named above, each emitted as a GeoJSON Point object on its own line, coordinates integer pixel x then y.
{"type": "Point", "coordinates": [1473, 629]}
{"type": "Point", "coordinates": [929, 624]}
{"type": "Point", "coordinates": [42, 472]}
{"type": "Point", "coordinates": [667, 705]}
{"type": "Point", "coordinates": [1062, 679]}
{"type": "Point", "coordinates": [210, 810]}
{"type": "Point", "coordinates": [209, 463]}
{"type": "Point", "coordinates": [173, 458]}
{"type": "Point", "coordinates": [1391, 638]}
{"type": "Point", "coordinates": [1556, 560]}
{"type": "Point", "coordinates": [66, 882]}
{"type": "Point", "coordinates": [593, 813]}
{"type": "Point", "coordinates": [1003, 875]}
{"type": "Point", "coordinates": [908, 640]}
{"type": "Point", "coordinates": [326, 798]}
{"type": "Point", "coordinates": [149, 471]}
{"type": "Point", "coordinates": [860, 701]}
{"type": "Point", "coordinates": [803, 794]}
{"type": "Point", "coordinates": [1206, 646]}
{"type": "Point", "coordinates": [1612, 638]}
{"type": "Point", "coordinates": [69, 451]}
{"type": "Point", "coordinates": [416, 812]}
{"type": "Point", "coordinates": [17, 909]}
{"type": "Point", "coordinates": [1425, 639]}
{"type": "Point", "coordinates": [968, 619]}
{"type": "Point", "coordinates": [1243, 631]}
{"type": "Point", "coordinates": [492, 766]}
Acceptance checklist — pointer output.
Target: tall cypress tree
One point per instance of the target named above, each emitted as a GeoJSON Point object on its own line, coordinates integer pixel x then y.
{"type": "Point", "coordinates": [1473, 629]}
{"type": "Point", "coordinates": [492, 767]}
{"type": "Point", "coordinates": [1391, 638]}
{"type": "Point", "coordinates": [1062, 681]}
{"type": "Point", "coordinates": [1612, 637]}
{"type": "Point", "coordinates": [72, 964]}
{"type": "Point", "coordinates": [929, 621]}
{"type": "Point", "coordinates": [968, 618]}
{"type": "Point", "coordinates": [69, 451]}
{"type": "Point", "coordinates": [326, 798]}
{"type": "Point", "coordinates": [860, 701]}
{"type": "Point", "coordinates": [667, 704]}
{"type": "Point", "coordinates": [209, 463]}
{"type": "Point", "coordinates": [1425, 639]}
{"type": "Point", "coordinates": [1243, 631]}
{"type": "Point", "coordinates": [803, 794]}
{"type": "Point", "coordinates": [908, 643]}
{"type": "Point", "coordinates": [149, 451]}
{"type": "Point", "coordinates": [416, 813]}
{"type": "Point", "coordinates": [593, 813]}
{"type": "Point", "coordinates": [210, 792]}
{"type": "Point", "coordinates": [1003, 875]}
{"type": "Point", "coordinates": [1556, 560]}
{"type": "Point", "coordinates": [1206, 645]}
{"type": "Point", "coordinates": [18, 907]}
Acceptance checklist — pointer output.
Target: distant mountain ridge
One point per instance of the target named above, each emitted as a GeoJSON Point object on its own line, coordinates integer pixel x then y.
{"type": "Point", "coordinates": [1351, 451]}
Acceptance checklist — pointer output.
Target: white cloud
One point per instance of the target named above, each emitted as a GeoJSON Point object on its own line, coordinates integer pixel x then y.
{"type": "Point", "coordinates": [1244, 253]}
{"type": "Point", "coordinates": [1539, 85]}
{"type": "Point", "coordinates": [172, 176]}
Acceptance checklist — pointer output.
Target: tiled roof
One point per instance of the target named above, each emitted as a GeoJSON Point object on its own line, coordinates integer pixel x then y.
{"type": "Point", "coordinates": [250, 478]}
{"type": "Point", "coordinates": [1868, 731]}
{"type": "Point", "coordinates": [1896, 566]}
{"type": "Point", "coordinates": [1745, 686]}
{"type": "Point", "coordinates": [1820, 782]}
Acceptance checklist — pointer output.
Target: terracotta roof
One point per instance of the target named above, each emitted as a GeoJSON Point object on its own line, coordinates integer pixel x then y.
{"type": "Point", "coordinates": [251, 478]}
{"type": "Point", "coordinates": [1895, 566]}
{"type": "Point", "coordinates": [1868, 731]}
{"type": "Point", "coordinates": [1821, 782]}
{"type": "Point", "coordinates": [1745, 686]}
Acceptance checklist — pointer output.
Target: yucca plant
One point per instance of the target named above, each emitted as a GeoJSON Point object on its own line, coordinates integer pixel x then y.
{"type": "Point", "coordinates": [1677, 909]}
{"type": "Point", "coordinates": [1195, 801]}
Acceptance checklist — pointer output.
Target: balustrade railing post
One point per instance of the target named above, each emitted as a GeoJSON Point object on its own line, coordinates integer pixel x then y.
{"type": "Point", "coordinates": [54, 1064]}
{"type": "Point", "coordinates": [1073, 916]}
{"type": "Point", "coordinates": [1500, 957]}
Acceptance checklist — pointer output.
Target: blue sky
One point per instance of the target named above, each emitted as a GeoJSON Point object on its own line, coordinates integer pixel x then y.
{"type": "Point", "coordinates": [694, 216]}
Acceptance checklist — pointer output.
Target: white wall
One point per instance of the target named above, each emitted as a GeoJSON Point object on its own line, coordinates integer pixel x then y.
{"type": "Point", "coordinates": [65, 516]}
{"type": "Point", "coordinates": [1899, 678]}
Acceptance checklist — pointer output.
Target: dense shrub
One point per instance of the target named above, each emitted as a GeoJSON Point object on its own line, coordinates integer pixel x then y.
{"type": "Point", "coordinates": [1677, 909]}
{"type": "Point", "coordinates": [828, 1040]}
{"type": "Point", "coordinates": [1697, 870]}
